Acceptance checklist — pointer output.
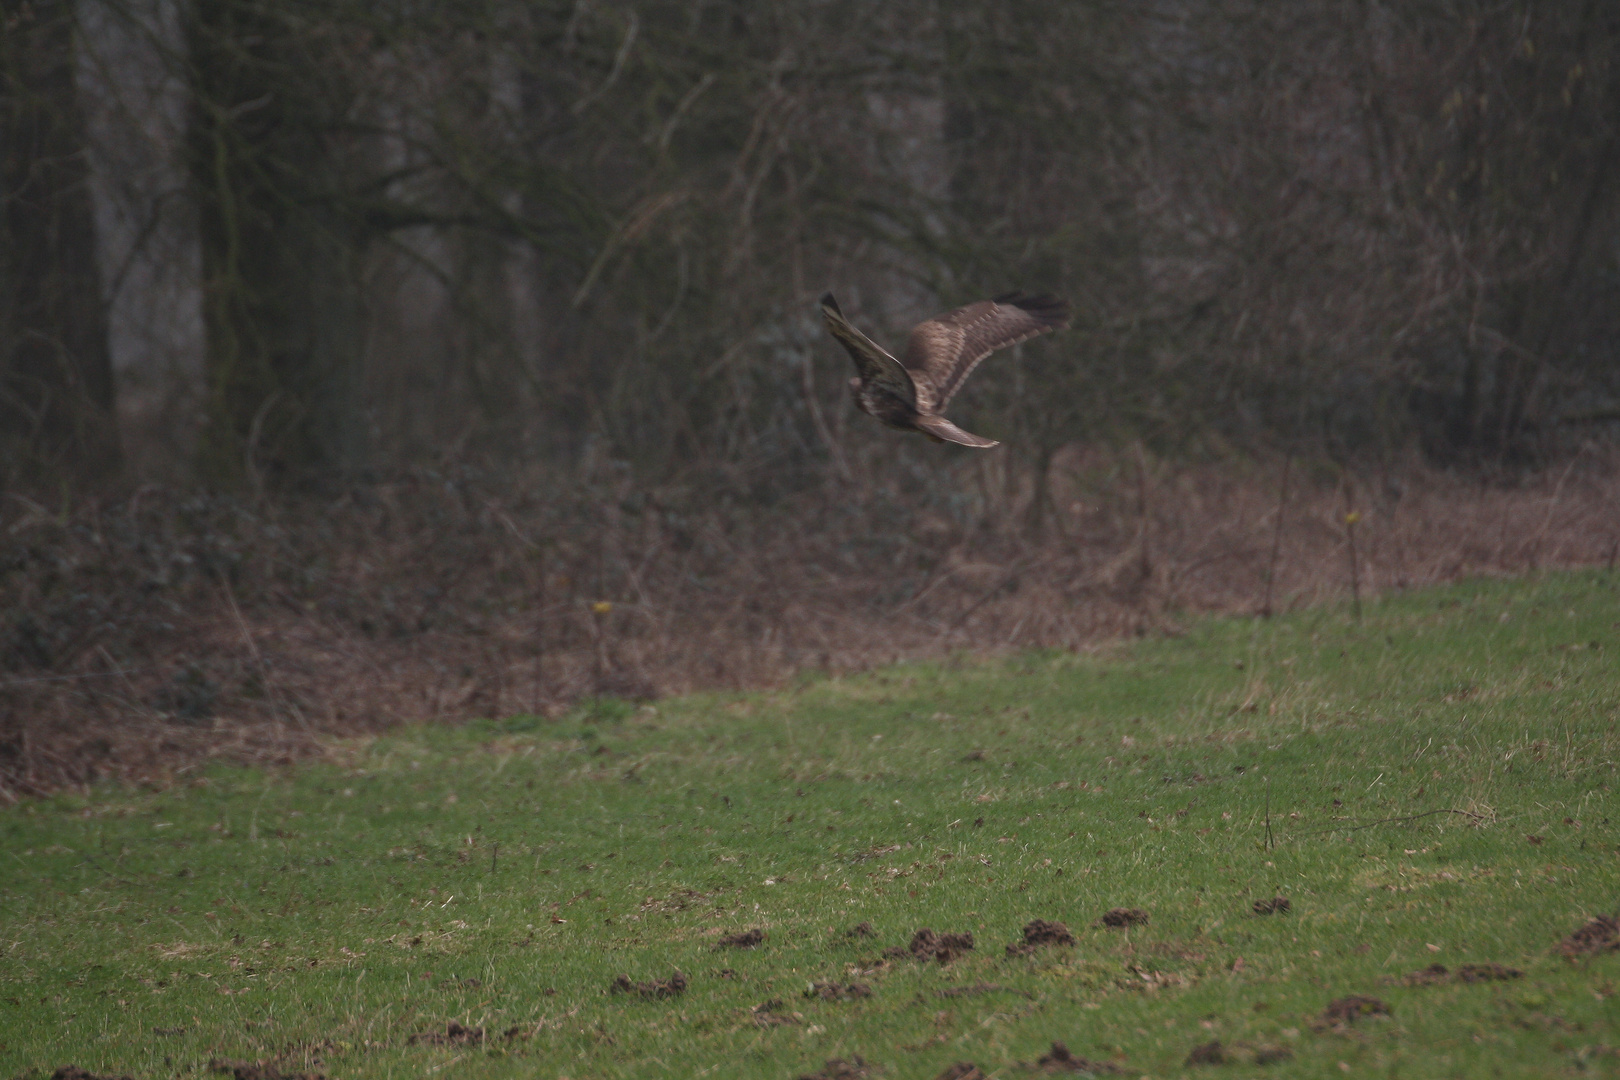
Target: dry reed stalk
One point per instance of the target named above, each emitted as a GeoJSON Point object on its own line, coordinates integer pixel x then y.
{"type": "Point", "coordinates": [1276, 537]}
{"type": "Point", "coordinates": [1351, 517]}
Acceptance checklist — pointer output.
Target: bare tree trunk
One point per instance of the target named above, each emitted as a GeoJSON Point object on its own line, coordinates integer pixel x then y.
{"type": "Point", "coordinates": [281, 279]}
{"type": "Point", "coordinates": [135, 110]}
{"type": "Point", "coordinates": [56, 386]}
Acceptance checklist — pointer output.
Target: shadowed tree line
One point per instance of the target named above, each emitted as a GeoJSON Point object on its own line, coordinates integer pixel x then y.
{"type": "Point", "coordinates": [278, 243]}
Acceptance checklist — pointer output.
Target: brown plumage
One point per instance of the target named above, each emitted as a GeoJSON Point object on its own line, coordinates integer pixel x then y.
{"type": "Point", "coordinates": [911, 393]}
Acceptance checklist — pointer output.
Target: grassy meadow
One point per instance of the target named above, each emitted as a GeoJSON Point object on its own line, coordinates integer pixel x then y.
{"type": "Point", "coordinates": [1431, 784]}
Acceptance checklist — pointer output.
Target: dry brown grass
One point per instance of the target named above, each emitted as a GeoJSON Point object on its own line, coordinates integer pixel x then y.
{"type": "Point", "coordinates": [146, 633]}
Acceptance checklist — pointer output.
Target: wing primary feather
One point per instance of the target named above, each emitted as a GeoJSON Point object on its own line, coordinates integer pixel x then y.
{"type": "Point", "coordinates": [872, 362]}
{"type": "Point", "coordinates": [1051, 311]}
{"type": "Point", "coordinates": [943, 351]}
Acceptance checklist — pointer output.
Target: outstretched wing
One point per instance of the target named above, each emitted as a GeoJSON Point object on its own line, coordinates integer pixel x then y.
{"type": "Point", "coordinates": [943, 351]}
{"type": "Point", "coordinates": [941, 428]}
{"type": "Point", "coordinates": [875, 366]}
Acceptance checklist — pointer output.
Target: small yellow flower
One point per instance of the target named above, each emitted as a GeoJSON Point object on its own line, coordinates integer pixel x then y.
{"type": "Point", "coordinates": [1352, 517]}
{"type": "Point", "coordinates": [602, 607]}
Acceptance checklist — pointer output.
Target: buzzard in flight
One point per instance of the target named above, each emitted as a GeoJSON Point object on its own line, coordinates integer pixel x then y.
{"type": "Point", "coordinates": [911, 393]}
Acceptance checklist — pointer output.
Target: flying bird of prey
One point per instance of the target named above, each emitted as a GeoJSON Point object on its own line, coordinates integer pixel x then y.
{"type": "Point", "coordinates": [911, 393]}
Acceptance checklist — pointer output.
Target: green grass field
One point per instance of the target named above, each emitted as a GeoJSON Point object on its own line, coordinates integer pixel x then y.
{"type": "Point", "coordinates": [504, 874]}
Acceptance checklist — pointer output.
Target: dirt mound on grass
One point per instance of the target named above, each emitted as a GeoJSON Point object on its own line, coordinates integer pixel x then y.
{"type": "Point", "coordinates": [453, 1035]}
{"type": "Point", "coordinates": [963, 1070]}
{"type": "Point", "coordinates": [658, 988]}
{"type": "Point", "coordinates": [1277, 905]}
{"type": "Point", "coordinates": [258, 1070]}
{"type": "Point", "coordinates": [1122, 917]}
{"type": "Point", "coordinates": [1270, 1055]}
{"type": "Point", "coordinates": [745, 940]}
{"type": "Point", "coordinates": [1039, 933]}
{"type": "Point", "coordinates": [1218, 1053]}
{"type": "Point", "coordinates": [73, 1072]}
{"type": "Point", "coordinates": [855, 1068]}
{"type": "Point", "coordinates": [1600, 935]}
{"type": "Point", "coordinates": [1471, 973]}
{"type": "Point", "coordinates": [1486, 973]}
{"type": "Point", "coordinates": [860, 930]}
{"type": "Point", "coordinates": [1059, 1059]}
{"type": "Point", "coordinates": [927, 945]}
{"type": "Point", "coordinates": [1429, 976]}
{"type": "Point", "coordinates": [774, 1013]}
{"type": "Point", "coordinates": [1435, 974]}
{"type": "Point", "coordinates": [1344, 1011]}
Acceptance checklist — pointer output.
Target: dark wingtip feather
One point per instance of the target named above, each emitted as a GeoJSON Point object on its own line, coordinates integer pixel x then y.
{"type": "Point", "coordinates": [1048, 309]}
{"type": "Point", "coordinates": [827, 301]}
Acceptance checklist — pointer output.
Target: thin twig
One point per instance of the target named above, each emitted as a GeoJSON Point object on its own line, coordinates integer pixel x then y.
{"type": "Point", "coordinates": [1270, 841]}
{"type": "Point", "coordinates": [834, 451]}
{"type": "Point", "coordinates": [70, 678]}
{"type": "Point", "coordinates": [539, 549]}
{"type": "Point", "coordinates": [1142, 507]}
{"type": "Point", "coordinates": [258, 660]}
{"type": "Point", "coordinates": [122, 881]}
{"type": "Point", "coordinates": [618, 67]}
{"type": "Point", "coordinates": [1350, 519]}
{"type": "Point", "coordinates": [539, 631]}
{"type": "Point", "coordinates": [1276, 537]}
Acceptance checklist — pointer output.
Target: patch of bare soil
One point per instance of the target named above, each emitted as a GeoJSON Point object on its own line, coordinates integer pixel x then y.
{"type": "Point", "coordinates": [963, 1070]}
{"type": "Point", "coordinates": [854, 1068]}
{"type": "Point", "coordinates": [927, 945]}
{"type": "Point", "coordinates": [1432, 975]}
{"type": "Point", "coordinates": [258, 1070]}
{"type": "Point", "coordinates": [1060, 1059]}
{"type": "Point", "coordinates": [1342, 1012]}
{"type": "Point", "coordinates": [1219, 1053]}
{"type": "Point", "coordinates": [73, 1072]}
{"type": "Point", "coordinates": [860, 930]}
{"type": "Point", "coordinates": [774, 1013]}
{"type": "Point", "coordinates": [1600, 935]}
{"type": "Point", "coordinates": [454, 1034]}
{"type": "Point", "coordinates": [673, 986]}
{"type": "Point", "coordinates": [1039, 933]}
{"type": "Point", "coordinates": [832, 991]}
{"type": "Point", "coordinates": [1277, 905]}
{"type": "Point", "coordinates": [1471, 973]}
{"type": "Point", "coordinates": [745, 940]}
{"type": "Point", "coordinates": [1122, 917]}
{"type": "Point", "coordinates": [1435, 974]}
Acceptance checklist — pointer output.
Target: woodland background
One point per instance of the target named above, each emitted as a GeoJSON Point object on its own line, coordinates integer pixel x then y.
{"type": "Point", "coordinates": [364, 362]}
